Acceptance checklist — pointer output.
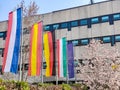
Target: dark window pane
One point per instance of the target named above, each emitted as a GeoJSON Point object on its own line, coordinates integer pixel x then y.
{"type": "Point", "coordinates": [94, 20]}
{"type": "Point", "coordinates": [106, 39]}
{"type": "Point", "coordinates": [83, 22]}
{"type": "Point", "coordinates": [84, 41]}
{"type": "Point", "coordinates": [63, 25]}
{"type": "Point", "coordinates": [105, 18]}
{"type": "Point", "coordinates": [116, 16]}
{"type": "Point", "coordinates": [56, 26]}
{"type": "Point", "coordinates": [3, 34]}
{"type": "Point", "coordinates": [117, 38]}
{"type": "Point", "coordinates": [46, 28]}
{"type": "Point", "coordinates": [74, 23]}
{"type": "Point", "coordinates": [75, 42]}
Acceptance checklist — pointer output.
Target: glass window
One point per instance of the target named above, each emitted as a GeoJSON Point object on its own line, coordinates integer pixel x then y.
{"type": "Point", "coordinates": [83, 22]}
{"type": "Point", "coordinates": [1, 34]}
{"type": "Point", "coordinates": [74, 23]}
{"type": "Point", "coordinates": [94, 20]}
{"type": "Point", "coordinates": [117, 38]}
{"type": "Point", "coordinates": [75, 42]}
{"type": "Point", "coordinates": [84, 42]}
{"type": "Point", "coordinates": [26, 31]}
{"type": "Point", "coordinates": [56, 26]}
{"type": "Point", "coordinates": [1, 51]}
{"type": "Point", "coordinates": [116, 16]}
{"type": "Point", "coordinates": [105, 18]}
{"type": "Point", "coordinates": [106, 39]}
{"type": "Point", "coordinates": [46, 28]}
{"type": "Point", "coordinates": [64, 25]}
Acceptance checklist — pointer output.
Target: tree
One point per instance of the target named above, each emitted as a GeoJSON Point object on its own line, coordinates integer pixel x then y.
{"type": "Point", "coordinates": [103, 68]}
{"type": "Point", "coordinates": [29, 10]}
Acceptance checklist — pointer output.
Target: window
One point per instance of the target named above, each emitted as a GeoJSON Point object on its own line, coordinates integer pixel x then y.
{"type": "Point", "coordinates": [26, 66]}
{"type": "Point", "coordinates": [106, 39]}
{"type": "Point", "coordinates": [83, 22]}
{"type": "Point", "coordinates": [116, 17]}
{"type": "Point", "coordinates": [117, 38]}
{"type": "Point", "coordinates": [55, 26]}
{"type": "Point", "coordinates": [105, 18]}
{"type": "Point", "coordinates": [64, 25]}
{"type": "Point", "coordinates": [44, 65]}
{"type": "Point", "coordinates": [26, 31]}
{"type": "Point", "coordinates": [74, 23]}
{"type": "Point", "coordinates": [3, 34]}
{"type": "Point", "coordinates": [94, 20]}
{"type": "Point", "coordinates": [1, 51]}
{"type": "Point", "coordinates": [84, 42]}
{"type": "Point", "coordinates": [46, 28]}
{"type": "Point", "coordinates": [75, 43]}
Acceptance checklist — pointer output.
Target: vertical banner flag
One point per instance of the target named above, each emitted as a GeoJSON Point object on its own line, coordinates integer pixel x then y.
{"type": "Point", "coordinates": [48, 53]}
{"type": "Point", "coordinates": [12, 44]}
{"type": "Point", "coordinates": [35, 58]}
{"type": "Point", "coordinates": [62, 57]}
{"type": "Point", "coordinates": [70, 57]}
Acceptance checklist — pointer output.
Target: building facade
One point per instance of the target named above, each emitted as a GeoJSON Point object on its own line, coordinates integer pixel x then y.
{"type": "Point", "coordinates": [79, 25]}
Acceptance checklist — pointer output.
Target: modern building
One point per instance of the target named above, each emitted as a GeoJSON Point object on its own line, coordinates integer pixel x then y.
{"type": "Point", "coordinates": [79, 25]}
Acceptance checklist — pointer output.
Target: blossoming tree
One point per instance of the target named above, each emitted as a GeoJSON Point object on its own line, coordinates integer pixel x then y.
{"type": "Point", "coordinates": [103, 68]}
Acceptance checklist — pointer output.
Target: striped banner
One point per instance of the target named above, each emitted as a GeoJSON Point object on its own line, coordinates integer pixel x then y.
{"type": "Point", "coordinates": [35, 50]}
{"type": "Point", "coordinates": [70, 58]}
{"type": "Point", "coordinates": [12, 44]}
{"type": "Point", "coordinates": [62, 57]}
{"type": "Point", "coordinates": [48, 53]}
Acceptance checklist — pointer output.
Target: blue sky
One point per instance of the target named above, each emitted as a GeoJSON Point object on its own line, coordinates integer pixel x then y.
{"type": "Point", "coordinates": [45, 6]}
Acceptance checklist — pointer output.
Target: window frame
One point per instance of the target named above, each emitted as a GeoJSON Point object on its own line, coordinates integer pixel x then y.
{"type": "Point", "coordinates": [105, 40]}
{"type": "Point", "coordinates": [80, 21]}
{"type": "Point", "coordinates": [84, 43]}
{"type": "Point", "coordinates": [104, 20]}
{"type": "Point", "coordinates": [114, 18]}
{"type": "Point", "coordinates": [62, 25]}
{"type": "Point", "coordinates": [74, 25]}
{"type": "Point", "coordinates": [116, 39]}
{"type": "Point", "coordinates": [95, 22]}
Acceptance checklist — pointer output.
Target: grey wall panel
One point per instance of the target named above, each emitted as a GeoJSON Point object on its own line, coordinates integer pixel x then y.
{"type": "Point", "coordinates": [75, 33]}
{"type": "Point", "coordinates": [96, 30]}
{"type": "Point", "coordinates": [107, 29]}
{"type": "Point", "coordinates": [83, 32]}
{"type": "Point", "coordinates": [58, 34]}
{"type": "Point", "coordinates": [69, 35]}
{"type": "Point", "coordinates": [74, 14]}
{"type": "Point", "coordinates": [76, 52]}
{"type": "Point", "coordinates": [94, 10]}
{"type": "Point", "coordinates": [116, 6]}
{"type": "Point", "coordinates": [47, 18]}
{"type": "Point", "coordinates": [63, 33]}
{"type": "Point", "coordinates": [83, 12]}
{"type": "Point", "coordinates": [116, 27]}
{"type": "Point", "coordinates": [105, 8]}
{"type": "Point", "coordinates": [3, 26]}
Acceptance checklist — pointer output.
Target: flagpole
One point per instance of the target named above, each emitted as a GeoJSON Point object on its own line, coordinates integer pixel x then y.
{"type": "Point", "coordinates": [42, 56]}
{"type": "Point", "coordinates": [56, 63]}
{"type": "Point", "coordinates": [21, 61]}
{"type": "Point", "coordinates": [67, 78]}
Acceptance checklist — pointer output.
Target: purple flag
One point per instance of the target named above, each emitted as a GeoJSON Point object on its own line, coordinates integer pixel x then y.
{"type": "Point", "coordinates": [70, 57]}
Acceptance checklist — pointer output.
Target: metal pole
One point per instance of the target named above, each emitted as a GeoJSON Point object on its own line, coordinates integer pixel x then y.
{"type": "Point", "coordinates": [21, 53]}
{"type": "Point", "coordinates": [42, 56]}
{"type": "Point", "coordinates": [67, 78]}
{"type": "Point", "coordinates": [56, 63]}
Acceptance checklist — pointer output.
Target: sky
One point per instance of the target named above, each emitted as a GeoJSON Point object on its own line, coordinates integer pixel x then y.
{"type": "Point", "coordinates": [45, 6]}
